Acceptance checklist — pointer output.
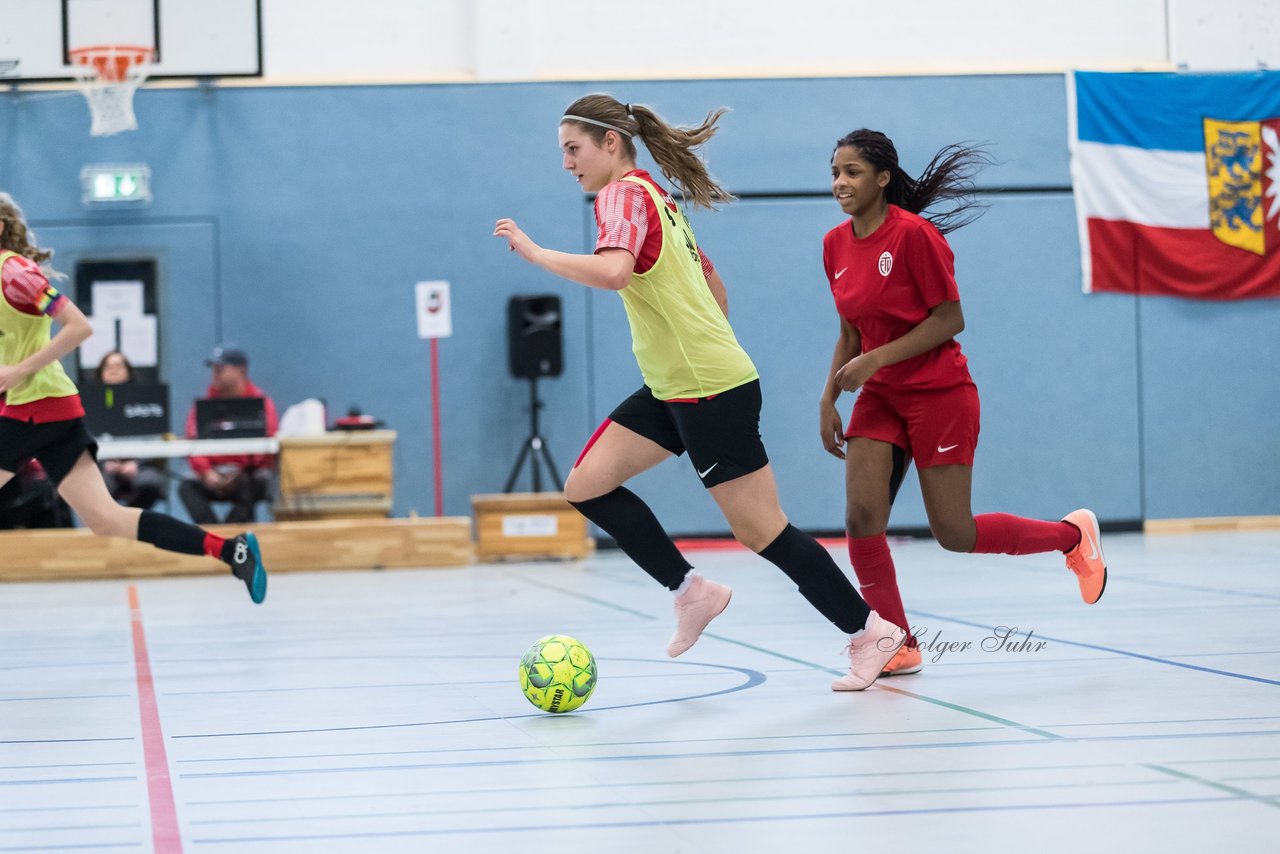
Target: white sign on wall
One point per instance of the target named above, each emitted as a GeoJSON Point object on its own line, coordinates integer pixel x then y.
{"type": "Point", "coordinates": [119, 323]}
{"type": "Point", "coordinates": [434, 317]}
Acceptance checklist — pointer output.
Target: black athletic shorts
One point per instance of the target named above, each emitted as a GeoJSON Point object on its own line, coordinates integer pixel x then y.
{"type": "Point", "coordinates": [56, 445]}
{"type": "Point", "coordinates": [721, 433]}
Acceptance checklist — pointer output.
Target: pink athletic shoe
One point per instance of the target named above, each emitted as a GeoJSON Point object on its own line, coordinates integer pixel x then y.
{"type": "Point", "coordinates": [869, 652]}
{"type": "Point", "coordinates": [700, 603]}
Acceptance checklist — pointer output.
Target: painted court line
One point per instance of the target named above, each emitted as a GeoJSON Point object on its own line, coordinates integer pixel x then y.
{"type": "Point", "coordinates": [164, 814]}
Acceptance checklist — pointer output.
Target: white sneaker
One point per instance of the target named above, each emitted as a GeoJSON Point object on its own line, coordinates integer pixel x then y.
{"type": "Point", "coordinates": [697, 606]}
{"type": "Point", "coordinates": [869, 652]}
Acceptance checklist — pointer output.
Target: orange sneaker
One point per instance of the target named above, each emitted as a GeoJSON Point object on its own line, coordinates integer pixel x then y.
{"type": "Point", "coordinates": [1086, 559]}
{"type": "Point", "coordinates": [906, 660]}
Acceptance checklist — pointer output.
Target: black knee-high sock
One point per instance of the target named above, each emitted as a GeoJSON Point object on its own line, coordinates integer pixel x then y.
{"type": "Point", "coordinates": [820, 581]}
{"type": "Point", "coordinates": [622, 515]}
{"type": "Point", "coordinates": [166, 532]}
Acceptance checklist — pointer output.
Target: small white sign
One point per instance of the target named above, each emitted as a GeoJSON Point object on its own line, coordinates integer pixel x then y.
{"type": "Point", "coordinates": [434, 317]}
{"type": "Point", "coordinates": [529, 526]}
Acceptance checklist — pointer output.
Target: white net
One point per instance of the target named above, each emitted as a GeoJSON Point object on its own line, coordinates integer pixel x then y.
{"type": "Point", "coordinates": [108, 78]}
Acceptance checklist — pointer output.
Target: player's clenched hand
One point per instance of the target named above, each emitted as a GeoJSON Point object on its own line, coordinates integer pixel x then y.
{"type": "Point", "coordinates": [853, 373]}
{"type": "Point", "coordinates": [832, 429]}
{"type": "Point", "coordinates": [517, 240]}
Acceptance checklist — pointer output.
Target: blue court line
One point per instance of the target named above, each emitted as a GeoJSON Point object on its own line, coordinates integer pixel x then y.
{"type": "Point", "coordinates": [67, 765]}
{"type": "Point", "coordinates": [685, 781]}
{"type": "Point", "coordinates": [65, 740]}
{"type": "Point", "coordinates": [1113, 650]}
{"type": "Point", "coordinates": [684, 741]}
{"type": "Point", "coordinates": [721, 754]}
{"type": "Point", "coordinates": [67, 828]}
{"type": "Point", "coordinates": [74, 847]}
{"type": "Point", "coordinates": [69, 780]}
{"type": "Point", "coordinates": [72, 697]}
{"type": "Point", "coordinates": [450, 682]}
{"type": "Point", "coordinates": [38, 666]}
{"type": "Point", "coordinates": [72, 807]}
{"type": "Point", "coordinates": [736, 799]}
{"type": "Point", "coordinates": [1198, 588]}
{"type": "Point", "coordinates": [753, 678]}
{"type": "Point", "coordinates": [579, 744]}
{"type": "Point", "coordinates": [755, 819]}
{"type": "Point", "coordinates": [1213, 784]}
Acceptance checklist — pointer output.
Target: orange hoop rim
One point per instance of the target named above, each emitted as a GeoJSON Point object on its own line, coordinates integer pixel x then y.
{"type": "Point", "coordinates": [111, 62]}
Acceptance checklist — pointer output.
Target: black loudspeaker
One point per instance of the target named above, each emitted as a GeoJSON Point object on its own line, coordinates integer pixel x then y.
{"type": "Point", "coordinates": [533, 336]}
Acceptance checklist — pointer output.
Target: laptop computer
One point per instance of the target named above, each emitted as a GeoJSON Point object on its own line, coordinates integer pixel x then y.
{"type": "Point", "coordinates": [231, 418]}
{"type": "Point", "coordinates": [129, 409]}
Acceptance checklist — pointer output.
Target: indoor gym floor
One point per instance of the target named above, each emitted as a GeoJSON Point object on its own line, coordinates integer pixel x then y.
{"type": "Point", "coordinates": [379, 711]}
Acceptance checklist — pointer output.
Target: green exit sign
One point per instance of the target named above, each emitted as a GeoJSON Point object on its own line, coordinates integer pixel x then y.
{"type": "Point", "coordinates": [106, 183]}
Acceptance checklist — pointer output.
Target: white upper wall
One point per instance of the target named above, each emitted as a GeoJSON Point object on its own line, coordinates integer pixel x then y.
{"type": "Point", "coordinates": [406, 40]}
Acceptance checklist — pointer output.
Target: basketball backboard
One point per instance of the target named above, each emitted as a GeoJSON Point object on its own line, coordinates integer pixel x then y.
{"type": "Point", "coordinates": [191, 38]}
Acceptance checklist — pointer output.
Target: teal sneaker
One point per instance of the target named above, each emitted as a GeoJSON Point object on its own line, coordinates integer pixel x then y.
{"type": "Point", "coordinates": [246, 565]}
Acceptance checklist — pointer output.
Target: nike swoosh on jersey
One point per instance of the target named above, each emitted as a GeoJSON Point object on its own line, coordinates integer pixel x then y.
{"type": "Point", "coordinates": [840, 272]}
{"type": "Point", "coordinates": [943, 450]}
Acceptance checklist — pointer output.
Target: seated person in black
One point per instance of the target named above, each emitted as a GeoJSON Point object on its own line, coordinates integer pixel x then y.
{"type": "Point", "coordinates": [130, 482]}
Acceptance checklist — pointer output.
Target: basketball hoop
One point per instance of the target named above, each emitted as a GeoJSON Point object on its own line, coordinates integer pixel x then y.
{"type": "Point", "coordinates": [108, 76]}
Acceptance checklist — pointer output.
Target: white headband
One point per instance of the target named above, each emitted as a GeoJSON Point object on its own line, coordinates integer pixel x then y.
{"type": "Point", "coordinates": [597, 123]}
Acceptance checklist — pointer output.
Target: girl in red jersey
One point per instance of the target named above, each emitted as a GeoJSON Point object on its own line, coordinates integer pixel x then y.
{"type": "Point", "coordinates": [701, 391]}
{"type": "Point", "coordinates": [893, 278]}
{"type": "Point", "coordinates": [41, 415]}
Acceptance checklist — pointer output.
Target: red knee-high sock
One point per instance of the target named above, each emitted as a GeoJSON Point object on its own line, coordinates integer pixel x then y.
{"type": "Point", "coordinates": [1001, 533]}
{"type": "Point", "coordinates": [878, 579]}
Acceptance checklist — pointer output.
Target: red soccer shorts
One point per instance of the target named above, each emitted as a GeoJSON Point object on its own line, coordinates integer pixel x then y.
{"type": "Point", "coordinates": [938, 427]}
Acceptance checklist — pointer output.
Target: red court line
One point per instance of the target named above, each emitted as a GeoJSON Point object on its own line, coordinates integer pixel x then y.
{"type": "Point", "coordinates": [164, 814]}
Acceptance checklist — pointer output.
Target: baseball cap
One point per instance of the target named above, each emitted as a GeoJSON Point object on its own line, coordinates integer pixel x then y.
{"type": "Point", "coordinates": [227, 354]}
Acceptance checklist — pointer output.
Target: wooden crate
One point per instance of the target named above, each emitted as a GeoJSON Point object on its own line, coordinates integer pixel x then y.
{"type": "Point", "coordinates": [286, 546]}
{"type": "Point", "coordinates": [335, 476]}
{"type": "Point", "coordinates": [529, 524]}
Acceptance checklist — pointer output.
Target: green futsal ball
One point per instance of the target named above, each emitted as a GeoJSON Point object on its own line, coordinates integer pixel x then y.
{"type": "Point", "coordinates": [557, 674]}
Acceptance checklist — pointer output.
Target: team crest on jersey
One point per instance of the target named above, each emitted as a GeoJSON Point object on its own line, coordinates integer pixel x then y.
{"type": "Point", "coordinates": [886, 262]}
{"type": "Point", "coordinates": [1242, 160]}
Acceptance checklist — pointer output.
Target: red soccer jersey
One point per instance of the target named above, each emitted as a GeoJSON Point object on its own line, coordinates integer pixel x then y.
{"type": "Point", "coordinates": [885, 284]}
{"type": "Point", "coordinates": [29, 292]}
{"type": "Point", "coordinates": [626, 218]}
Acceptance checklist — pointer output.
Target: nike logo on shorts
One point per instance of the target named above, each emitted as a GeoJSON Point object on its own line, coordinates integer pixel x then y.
{"type": "Point", "coordinates": [840, 272]}
{"type": "Point", "coordinates": [703, 474]}
{"type": "Point", "coordinates": [943, 450]}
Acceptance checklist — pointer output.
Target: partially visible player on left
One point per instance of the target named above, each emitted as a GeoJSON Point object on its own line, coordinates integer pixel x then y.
{"type": "Point", "coordinates": [41, 415]}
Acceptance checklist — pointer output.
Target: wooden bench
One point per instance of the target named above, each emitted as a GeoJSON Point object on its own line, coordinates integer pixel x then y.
{"type": "Point", "coordinates": [286, 546]}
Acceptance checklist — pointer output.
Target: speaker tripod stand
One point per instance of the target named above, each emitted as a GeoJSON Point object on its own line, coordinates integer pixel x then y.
{"type": "Point", "coordinates": [534, 447]}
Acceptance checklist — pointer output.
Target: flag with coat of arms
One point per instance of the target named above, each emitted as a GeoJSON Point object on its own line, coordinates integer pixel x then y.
{"type": "Point", "coordinates": [1177, 182]}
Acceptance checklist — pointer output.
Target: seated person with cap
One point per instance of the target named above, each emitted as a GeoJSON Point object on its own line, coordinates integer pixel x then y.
{"type": "Point", "coordinates": [243, 480]}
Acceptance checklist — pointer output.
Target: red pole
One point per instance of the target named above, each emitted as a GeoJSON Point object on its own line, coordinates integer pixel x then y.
{"type": "Point", "coordinates": [435, 424]}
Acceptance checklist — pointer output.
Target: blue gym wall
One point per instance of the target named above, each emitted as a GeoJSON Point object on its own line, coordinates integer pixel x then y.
{"type": "Point", "coordinates": [296, 220]}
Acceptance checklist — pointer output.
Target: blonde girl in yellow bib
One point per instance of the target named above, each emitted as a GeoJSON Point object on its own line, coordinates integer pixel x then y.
{"type": "Point", "coordinates": [701, 391]}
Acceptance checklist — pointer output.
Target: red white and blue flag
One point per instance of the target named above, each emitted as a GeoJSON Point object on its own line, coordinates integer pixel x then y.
{"type": "Point", "coordinates": [1177, 182]}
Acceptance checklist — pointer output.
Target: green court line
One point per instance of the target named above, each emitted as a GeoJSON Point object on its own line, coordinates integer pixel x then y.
{"type": "Point", "coordinates": [883, 687]}
{"type": "Point", "coordinates": [1214, 784]}
{"type": "Point", "coordinates": [582, 596]}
